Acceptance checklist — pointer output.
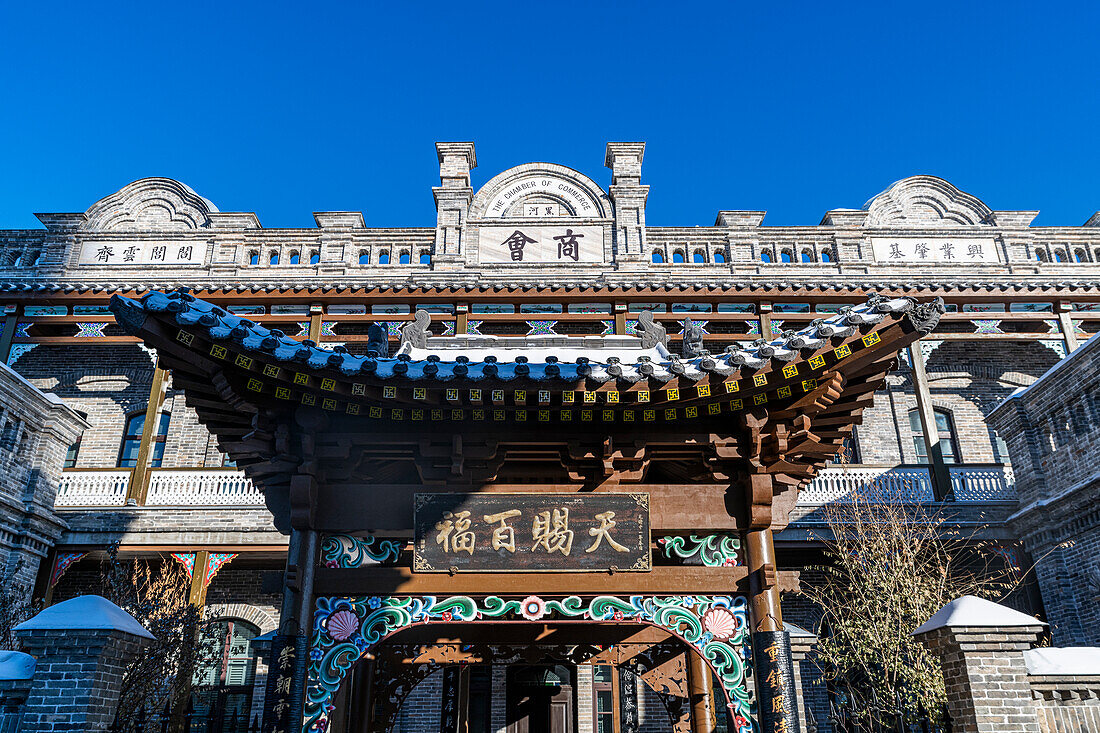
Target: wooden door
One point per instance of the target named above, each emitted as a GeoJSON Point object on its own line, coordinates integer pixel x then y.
{"type": "Point", "coordinates": [537, 707]}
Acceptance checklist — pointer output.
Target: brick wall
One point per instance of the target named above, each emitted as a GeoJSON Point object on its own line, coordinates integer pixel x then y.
{"type": "Point", "coordinates": [421, 710]}
{"type": "Point", "coordinates": [1053, 433]}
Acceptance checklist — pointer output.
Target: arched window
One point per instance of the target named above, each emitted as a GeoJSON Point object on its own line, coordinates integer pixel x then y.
{"type": "Point", "coordinates": [677, 257]}
{"type": "Point", "coordinates": [807, 256]}
{"type": "Point", "coordinates": [699, 258]}
{"type": "Point", "coordinates": [274, 259]}
{"type": "Point", "coordinates": [1041, 255]}
{"type": "Point", "coordinates": [425, 258]}
{"type": "Point", "coordinates": [719, 258]}
{"type": "Point", "coordinates": [314, 257]}
{"type": "Point", "coordinates": [1079, 255]}
{"type": "Point", "coordinates": [131, 440]}
{"type": "Point", "coordinates": [222, 691]}
{"type": "Point", "coordinates": [295, 258]}
{"type": "Point", "coordinates": [253, 258]}
{"type": "Point", "coordinates": [785, 255]}
{"type": "Point", "coordinates": [658, 257]}
{"type": "Point", "coordinates": [766, 256]}
{"type": "Point", "coordinates": [36, 259]}
{"type": "Point", "coordinates": [826, 256]}
{"type": "Point", "coordinates": [18, 261]}
{"type": "Point", "coordinates": [364, 257]}
{"type": "Point", "coordinates": [384, 258]}
{"type": "Point", "coordinates": [404, 258]}
{"type": "Point", "coordinates": [945, 428]}
{"type": "Point", "coordinates": [1059, 256]}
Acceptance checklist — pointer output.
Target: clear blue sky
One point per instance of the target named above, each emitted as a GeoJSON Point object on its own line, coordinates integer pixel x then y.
{"type": "Point", "coordinates": [796, 108]}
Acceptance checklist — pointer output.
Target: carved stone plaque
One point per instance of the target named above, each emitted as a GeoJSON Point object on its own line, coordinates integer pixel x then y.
{"type": "Point", "coordinates": [531, 533]}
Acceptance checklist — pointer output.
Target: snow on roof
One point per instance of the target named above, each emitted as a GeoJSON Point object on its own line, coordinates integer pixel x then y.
{"type": "Point", "coordinates": [974, 612]}
{"type": "Point", "coordinates": [1079, 661]}
{"type": "Point", "coordinates": [16, 666]}
{"type": "Point", "coordinates": [85, 612]}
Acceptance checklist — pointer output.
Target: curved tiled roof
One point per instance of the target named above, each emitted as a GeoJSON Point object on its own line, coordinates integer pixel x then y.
{"type": "Point", "coordinates": [445, 363]}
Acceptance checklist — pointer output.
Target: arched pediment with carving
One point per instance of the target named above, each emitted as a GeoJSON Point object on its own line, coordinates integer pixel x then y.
{"type": "Point", "coordinates": [150, 204]}
{"type": "Point", "coordinates": [540, 190]}
{"type": "Point", "coordinates": [926, 201]}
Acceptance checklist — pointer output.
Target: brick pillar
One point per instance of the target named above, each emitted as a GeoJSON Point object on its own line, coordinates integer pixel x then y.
{"type": "Point", "coordinates": [981, 648]}
{"type": "Point", "coordinates": [802, 642]}
{"type": "Point", "coordinates": [82, 648]}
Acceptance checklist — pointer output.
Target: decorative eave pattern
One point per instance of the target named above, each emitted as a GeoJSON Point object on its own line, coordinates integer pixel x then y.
{"type": "Point", "coordinates": [425, 286]}
{"type": "Point", "coordinates": [220, 326]}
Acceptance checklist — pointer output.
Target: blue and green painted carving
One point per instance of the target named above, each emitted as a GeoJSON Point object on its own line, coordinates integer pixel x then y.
{"type": "Point", "coordinates": [345, 551]}
{"type": "Point", "coordinates": [712, 550]}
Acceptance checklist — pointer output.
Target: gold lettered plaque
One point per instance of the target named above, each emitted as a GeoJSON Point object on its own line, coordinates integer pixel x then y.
{"type": "Point", "coordinates": [531, 533]}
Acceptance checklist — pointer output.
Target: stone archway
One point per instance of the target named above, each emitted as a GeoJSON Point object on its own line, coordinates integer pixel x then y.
{"type": "Point", "coordinates": [347, 629]}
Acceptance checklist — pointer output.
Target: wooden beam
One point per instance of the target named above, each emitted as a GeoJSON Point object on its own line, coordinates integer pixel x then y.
{"type": "Point", "coordinates": [197, 596]}
{"type": "Point", "coordinates": [941, 477]}
{"type": "Point", "coordinates": [8, 333]}
{"type": "Point", "coordinates": [139, 477]}
{"type": "Point", "coordinates": [1069, 333]}
{"type": "Point", "coordinates": [672, 579]}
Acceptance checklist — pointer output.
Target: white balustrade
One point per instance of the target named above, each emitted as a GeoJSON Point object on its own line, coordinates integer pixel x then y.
{"type": "Point", "coordinates": [202, 488]}
{"type": "Point", "coordinates": [93, 488]}
{"type": "Point", "coordinates": [909, 484]}
{"type": "Point", "coordinates": [836, 483]}
{"type": "Point", "coordinates": [983, 483]}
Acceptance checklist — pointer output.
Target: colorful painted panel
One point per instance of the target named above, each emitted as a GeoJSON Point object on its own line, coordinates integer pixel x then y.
{"type": "Point", "coordinates": [344, 629]}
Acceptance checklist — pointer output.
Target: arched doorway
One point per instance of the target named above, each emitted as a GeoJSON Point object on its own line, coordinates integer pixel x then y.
{"type": "Point", "coordinates": [534, 642]}
{"type": "Point", "coordinates": [541, 699]}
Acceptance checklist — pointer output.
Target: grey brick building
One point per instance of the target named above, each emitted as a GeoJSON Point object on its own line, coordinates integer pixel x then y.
{"type": "Point", "coordinates": [1052, 428]}
{"type": "Point", "coordinates": [147, 475]}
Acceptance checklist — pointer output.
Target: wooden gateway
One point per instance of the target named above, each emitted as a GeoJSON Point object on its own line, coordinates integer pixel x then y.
{"type": "Point", "coordinates": [540, 501]}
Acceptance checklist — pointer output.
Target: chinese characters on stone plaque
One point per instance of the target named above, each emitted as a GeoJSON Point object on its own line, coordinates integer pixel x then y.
{"type": "Point", "coordinates": [935, 250]}
{"type": "Point", "coordinates": [531, 532]}
{"type": "Point", "coordinates": [129, 254]}
{"type": "Point", "coordinates": [519, 244]}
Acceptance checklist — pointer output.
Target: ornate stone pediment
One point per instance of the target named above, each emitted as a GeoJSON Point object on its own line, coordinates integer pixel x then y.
{"type": "Point", "coordinates": [926, 201]}
{"type": "Point", "coordinates": [150, 204]}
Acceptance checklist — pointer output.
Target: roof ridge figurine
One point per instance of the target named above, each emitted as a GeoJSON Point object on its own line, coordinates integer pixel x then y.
{"type": "Point", "coordinates": [653, 333]}
{"type": "Point", "coordinates": [415, 333]}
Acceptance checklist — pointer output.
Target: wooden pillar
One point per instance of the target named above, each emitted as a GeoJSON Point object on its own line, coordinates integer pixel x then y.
{"type": "Point", "coordinates": [620, 319]}
{"type": "Point", "coordinates": [766, 321]}
{"type": "Point", "coordinates": [763, 584]}
{"type": "Point", "coordinates": [1069, 333]}
{"type": "Point", "coordinates": [362, 704]}
{"type": "Point", "coordinates": [941, 477]}
{"type": "Point", "coordinates": [139, 476]}
{"type": "Point", "coordinates": [316, 314]}
{"type": "Point", "coordinates": [197, 596]}
{"type": "Point", "coordinates": [701, 693]}
{"type": "Point", "coordinates": [462, 315]}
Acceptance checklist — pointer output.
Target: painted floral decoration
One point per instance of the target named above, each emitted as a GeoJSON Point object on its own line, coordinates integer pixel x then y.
{"type": "Point", "coordinates": [532, 608]}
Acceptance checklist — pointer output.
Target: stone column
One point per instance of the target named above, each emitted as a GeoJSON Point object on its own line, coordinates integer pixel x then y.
{"type": "Point", "coordinates": [82, 648]}
{"type": "Point", "coordinates": [981, 648]}
{"type": "Point", "coordinates": [628, 196]}
{"type": "Point", "coordinates": [452, 203]}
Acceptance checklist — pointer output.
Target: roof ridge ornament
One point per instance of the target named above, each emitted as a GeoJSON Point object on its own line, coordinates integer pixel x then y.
{"type": "Point", "coordinates": [693, 339]}
{"type": "Point", "coordinates": [653, 333]}
{"type": "Point", "coordinates": [415, 333]}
